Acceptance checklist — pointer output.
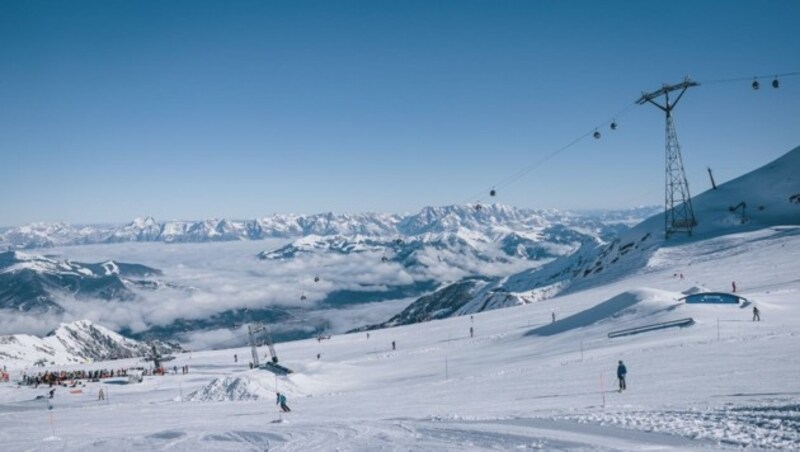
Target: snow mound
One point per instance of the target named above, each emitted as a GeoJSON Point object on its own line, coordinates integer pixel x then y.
{"type": "Point", "coordinates": [243, 387]}
{"type": "Point", "coordinates": [696, 289]}
{"type": "Point", "coordinates": [629, 305]}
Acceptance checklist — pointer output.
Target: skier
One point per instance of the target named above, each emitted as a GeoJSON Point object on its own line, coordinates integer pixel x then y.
{"type": "Point", "coordinates": [756, 314]}
{"type": "Point", "coordinates": [235, 358]}
{"type": "Point", "coordinates": [554, 316]}
{"type": "Point", "coordinates": [733, 286]}
{"type": "Point", "coordinates": [471, 332]}
{"type": "Point", "coordinates": [100, 395]}
{"type": "Point", "coordinates": [621, 372]}
{"type": "Point", "coordinates": [281, 400]}
{"type": "Point", "coordinates": [52, 393]}
{"type": "Point", "coordinates": [394, 347]}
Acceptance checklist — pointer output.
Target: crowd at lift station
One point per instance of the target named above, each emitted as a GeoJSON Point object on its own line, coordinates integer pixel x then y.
{"type": "Point", "coordinates": [70, 378]}
{"type": "Point", "coordinates": [73, 378]}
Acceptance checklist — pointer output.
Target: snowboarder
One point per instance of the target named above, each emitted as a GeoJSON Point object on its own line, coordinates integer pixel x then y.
{"type": "Point", "coordinates": [621, 372]}
{"type": "Point", "coordinates": [471, 332]}
{"type": "Point", "coordinates": [100, 395]}
{"type": "Point", "coordinates": [281, 400]}
{"type": "Point", "coordinates": [394, 346]}
{"type": "Point", "coordinates": [756, 314]}
{"type": "Point", "coordinates": [733, 286]}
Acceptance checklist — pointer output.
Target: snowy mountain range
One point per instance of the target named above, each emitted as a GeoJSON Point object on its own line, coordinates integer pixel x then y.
{"type": "Point", "coordinates": [772, 192]}
{"type": "Point", "coordinates": [492, 219]}
{"type": "Point", "coordinates": [415, 254]}
{"type": "Point", "coordinates": [77, 342]}
{"type": "Point", "coordinates": [34, 283]}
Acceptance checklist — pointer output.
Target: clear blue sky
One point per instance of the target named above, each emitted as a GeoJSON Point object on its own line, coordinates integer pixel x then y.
{"type": "Point", "coordinates": [196, 109]}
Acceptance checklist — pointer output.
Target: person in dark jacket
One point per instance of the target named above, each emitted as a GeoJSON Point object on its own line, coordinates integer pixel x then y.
{"type": "Point", "coordinates": [756, 314]}
{"type": "Point", "coordinates": [282, 402]}
{"type": "Point", "coordinates": [621, 373]}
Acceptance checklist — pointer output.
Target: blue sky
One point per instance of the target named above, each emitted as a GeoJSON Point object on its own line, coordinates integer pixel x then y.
{"type": "Point", "coordinates": [195, 109]}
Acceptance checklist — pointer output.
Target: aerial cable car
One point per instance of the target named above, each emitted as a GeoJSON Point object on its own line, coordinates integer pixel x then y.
{"type": "Point", "coordinates": [596, 134]}
{"type": "Point", "coordinates": [478, 207]}
{"type": "Point", "coordinates": [492, 192]}
{"type": "Point", "coordinates": [316, 278]}
{"type": "Point", "coordinates": [303, 297]}
{"type": "Point", "coordinates": [384, 259]}
{"type": "Point", "coordinates": [755, 84]}
{"type": "Point", "coordinates": [613, 125]}
{"type": "Point", "coordinates": [775, 83]}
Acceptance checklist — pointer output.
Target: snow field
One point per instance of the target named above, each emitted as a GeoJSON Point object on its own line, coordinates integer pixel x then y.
{"type": "Point", "coordinates": [725, 382]}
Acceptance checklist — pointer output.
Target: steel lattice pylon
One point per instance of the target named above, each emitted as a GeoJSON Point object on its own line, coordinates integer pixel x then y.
{"type": "Point", "coordinates": [678, 212]}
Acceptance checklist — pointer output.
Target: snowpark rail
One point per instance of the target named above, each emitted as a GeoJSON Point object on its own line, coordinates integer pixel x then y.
{"type": "Point", "coordinates": [655, 326]}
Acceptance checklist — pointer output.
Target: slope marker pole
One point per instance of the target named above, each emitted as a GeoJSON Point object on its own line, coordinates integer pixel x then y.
{"type": "Point", "coordinates": [602, 391]}
{"type": "Point", "coordinates": [52, 425]}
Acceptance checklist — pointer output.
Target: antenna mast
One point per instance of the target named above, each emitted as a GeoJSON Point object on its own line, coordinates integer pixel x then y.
{"type": "Point", "coordinates": [678, 212]}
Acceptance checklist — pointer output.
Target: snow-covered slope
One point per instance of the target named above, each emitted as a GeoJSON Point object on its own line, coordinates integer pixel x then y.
{"type": "Point", "coordinates": [520, 382]}
{"type": "Point", "coordinates": [771, 195]}
{"type": "Point", "coordinates": [75, 342]}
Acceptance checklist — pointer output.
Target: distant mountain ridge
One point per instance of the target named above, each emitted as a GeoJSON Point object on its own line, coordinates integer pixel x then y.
{"type": "Point", "coordinates": [489, 219]}
{"type": "Point", "coordinates": [35, 283]}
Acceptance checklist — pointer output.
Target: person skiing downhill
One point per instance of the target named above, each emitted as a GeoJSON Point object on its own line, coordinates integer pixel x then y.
{"type": "Point", "coordinates": [621, 372]}
{"type": "Point", "coordinates": [756, 314]}
{"type": "Point", "coordinates": [281, 400]}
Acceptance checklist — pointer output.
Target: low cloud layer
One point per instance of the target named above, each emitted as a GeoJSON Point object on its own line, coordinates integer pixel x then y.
{"type": "Point", "coordinates": [208, 278]}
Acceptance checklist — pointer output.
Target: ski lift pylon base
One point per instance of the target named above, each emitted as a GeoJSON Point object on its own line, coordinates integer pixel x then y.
{"type": "Point", "coordinates": [275, 368]}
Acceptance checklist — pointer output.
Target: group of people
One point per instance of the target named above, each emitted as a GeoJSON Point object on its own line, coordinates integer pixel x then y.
{"type": "Point", "coordinates": [184, 369]}
{"type": "Point", "coordinates": [70, 377]}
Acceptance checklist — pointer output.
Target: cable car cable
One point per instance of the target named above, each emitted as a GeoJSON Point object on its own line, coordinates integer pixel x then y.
{"type": "Point", "coordinates": [480, 197]}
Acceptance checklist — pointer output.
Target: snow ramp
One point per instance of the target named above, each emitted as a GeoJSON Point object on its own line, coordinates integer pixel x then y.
{"type": "Point", "coordinates": [619, 310]}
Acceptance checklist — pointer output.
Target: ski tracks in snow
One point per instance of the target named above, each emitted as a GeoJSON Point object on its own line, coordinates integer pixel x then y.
{"type": "Point", "coordinates": [772, 425]}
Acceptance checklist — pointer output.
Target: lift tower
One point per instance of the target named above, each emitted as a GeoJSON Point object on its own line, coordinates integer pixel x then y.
{"type": "Point", "coordinates": [678, 212]}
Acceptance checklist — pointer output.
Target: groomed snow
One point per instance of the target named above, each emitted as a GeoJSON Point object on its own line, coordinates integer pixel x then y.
{"type": "Point", "coordinates": [519, 383]}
